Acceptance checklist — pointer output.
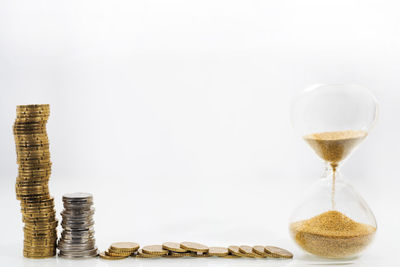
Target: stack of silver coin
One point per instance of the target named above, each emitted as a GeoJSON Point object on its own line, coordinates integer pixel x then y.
{"type": "Point", "coordinates": [77, 238]}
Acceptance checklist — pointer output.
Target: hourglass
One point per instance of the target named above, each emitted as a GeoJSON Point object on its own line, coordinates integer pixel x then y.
{"type": "Point", "coordinates": [333, 221]}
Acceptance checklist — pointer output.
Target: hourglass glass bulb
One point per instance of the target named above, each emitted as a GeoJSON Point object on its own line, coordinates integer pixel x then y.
{"type": "Point", "coordinates": [333, 221]}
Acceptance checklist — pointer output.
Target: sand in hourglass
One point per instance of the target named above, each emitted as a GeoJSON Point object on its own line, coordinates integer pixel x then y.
{"type": "Point", "coordinates": [333, 147]}
{"type": "Point", "coordinates": [332, 234]}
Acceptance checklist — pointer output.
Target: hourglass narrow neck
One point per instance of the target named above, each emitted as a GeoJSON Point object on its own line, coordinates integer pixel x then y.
{"type": "Point", "coordinates": [330, 169]}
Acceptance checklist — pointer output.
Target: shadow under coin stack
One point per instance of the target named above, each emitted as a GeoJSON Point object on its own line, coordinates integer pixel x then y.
{"type": "Point", "coordinates": [33, 158]}
{"type": "Point", "coordinates": [77, 238]}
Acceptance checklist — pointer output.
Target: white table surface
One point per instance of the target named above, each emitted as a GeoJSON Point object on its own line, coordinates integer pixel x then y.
{"type": "Point", "coordinates": [268, 226]}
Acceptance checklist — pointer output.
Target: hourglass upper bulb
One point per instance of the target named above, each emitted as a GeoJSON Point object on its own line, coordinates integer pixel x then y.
{"type": "Point", "coordinates": [334, 119]}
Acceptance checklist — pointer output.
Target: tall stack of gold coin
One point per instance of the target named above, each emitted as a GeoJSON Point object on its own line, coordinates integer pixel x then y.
{"type": "Point", "coordinates": [33, 158]}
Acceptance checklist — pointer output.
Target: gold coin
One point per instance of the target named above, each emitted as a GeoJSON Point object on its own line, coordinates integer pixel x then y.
{"type": "Point", "coordinates": [33, 205]}
{"type": "Point", "coordinates": [103, 255]}
{"type": "Point", "coordinates": [36, 167]}
{"type": "Point", "coordinates": [22, 198]}
{"type": "Point", "coordinates": [48, 226]}
{"type": "Point", "coordinates": [248, 251]}
{"type": "Point", "coordinates": [32, 193]}
{"type": "Point", "coordinates": [39, 246]}
{"type": "Point", "coordinates": [33, 107]}
{"type": "Point", "coordinates": [39, 113]}
{"type": "Point", "coordinates": [27, 191]}
{"type": "Point", "coordinates": [39, 249]}
{"type": "Point", "coordinates": [34, 174]}
{"type": "Point", "coordinates": [40, 210]}
{"type": "Point", "coordinates": [234, 250]}
{"type": "Point", "coordinates": [173, 256]}
{"type": "Point", "coordinates": [29, 131]}
{"type": "Point", "coordinates": [25, 129]}
{"type": "Point", "coordinates": [29, 158]}
{"type": "Point", "coordinates": [32, 119]}
{"type": "Point", "coordinates": [218, 251]}
{"type": "Point", "coordinates": [199, 255]}
{"type": "Point", "coordinates": [173, 246]}
{"type": "Point", "coordinates": [30, 145]}
{"type": "Point", "coordinates": [41, 256]}
{"type": "Point", "coordinates": [43, 234]}
{"type": "Point", "coordinates": [25, 146]}
{"type": "Point", "coordinates": [34, 171]}
{"type": "Point", "coordinates": [119, 252]}
{"type": "Point", "coordinates": [124, 246]}
{"type": "Point", "coordinates": [39, 253]}
{"type": "Point", "coordinates": [35, 179]}
{"type": "Point", "coordinates": [195, 247]}
{"type": "Point", "coordinates": [277, 252]}
{"type": "Point", "coordinates": [231, 256]}
{"type": "Point", "coordinates": [32, 113]}
{"type": "Point", "coordinates": [31, 187]}
{"type": "Point", "coordinates": [33, 161]}
{"type": "Point", "coordinates": [30, 183]}
{"type": "Point", "coordinates": [178, 254]}
{"type": "Point", "coordinates": [116, 254]}
{"type": "Point", "coordinates": [29, 237]}
{"type": "Point", "coordinates": [21, 157]}
{"type": "Point", "coordinates": [154, 250]}
{"type": "Point", "coordinates": [48, 214]}
{"type": "Point", "coordinates": [141, 254]}
{"type": "Point", "coordinates": [38, 220]}
{"type": "Point", "coordinates": [40, 243]}
{"type": "Point", "coordinates": [32, 153]}
{"type": "Point", "coordinates": [18, 124]}
{"type": "Point", "coordinates": [260, 251]}
{"type": "Point", "coordinates": [36, 232]}
{"type": "Point", "coordinates": [31, 137]}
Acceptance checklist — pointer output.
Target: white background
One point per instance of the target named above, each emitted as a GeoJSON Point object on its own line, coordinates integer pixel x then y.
{"type": "Point", "coordinates": [175, 115]}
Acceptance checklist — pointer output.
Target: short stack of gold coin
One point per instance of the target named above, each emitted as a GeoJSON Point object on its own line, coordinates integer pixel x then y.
{"type": "Point", "coordinates": [191, 249]}
{"type": "Point", "coordinates": [120, 250]}
{"type": "Point", "coordinates": [33, 158]}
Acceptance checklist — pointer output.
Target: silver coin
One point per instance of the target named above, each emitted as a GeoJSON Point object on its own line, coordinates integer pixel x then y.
{"type": "Point", "coordinates": [74, 256]}
{"type": "Point", "coordinates": [77, 234]}
{"type": "Point", "coordinates": [75, 238]}
{"type": "Point", "coordinates": [77, 196]}
{"type": "Point", "coordinates": [76, 228]}
{"type": "Point", "coordinates": [89, 252]}
{"type": "Point", "coordinates": [81, 212]}
{"type": "Point", "coordinates": [76, 248]}
{"type": "Point", "coordinates": [77, 241]}
{"type": "Point", "coordinates": [77, 222]}
{"type": "Point", "coordinates": [83, 240]}
{"type": "Point", "coordinates": [78, 211]}
{"type": "Point", "coordinates": [77, 203]}
{"type": "Point", "coordinates": [84, 249]}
